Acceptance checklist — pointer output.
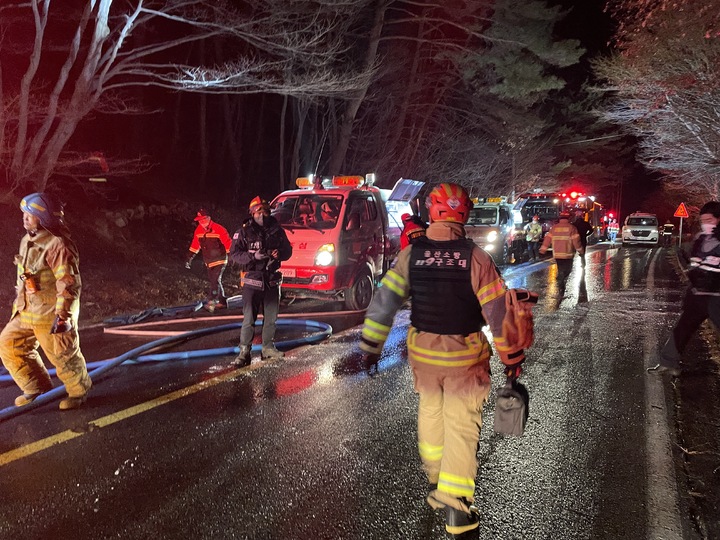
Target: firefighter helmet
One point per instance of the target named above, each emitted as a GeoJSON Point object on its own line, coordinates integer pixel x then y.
{"type": "Point", "coordinates": [406, 217]}
{"type": "Point", "coordinates": [258, 204]}
{"type": "Point", "coordinates": [46, 208]}
{"type": "Point", "coordinates": [449, 202]}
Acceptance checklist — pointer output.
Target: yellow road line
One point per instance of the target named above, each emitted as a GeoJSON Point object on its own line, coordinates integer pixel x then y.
{"type": "Point", "coordinates": [63, 436]}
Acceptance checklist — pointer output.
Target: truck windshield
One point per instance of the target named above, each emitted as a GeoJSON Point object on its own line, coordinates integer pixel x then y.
{"type": "Point", "coordinates": [487, 215]}
{"type": "Point", "coordinates": [307, 211]}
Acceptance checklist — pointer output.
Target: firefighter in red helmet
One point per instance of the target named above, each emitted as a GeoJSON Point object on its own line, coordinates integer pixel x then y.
{"type": "Point", "coordinates": [456, 289]}
{"type": "Point", "coordinates": [413, 228]}
{"type": "Point", "coordinates": [213, 240]}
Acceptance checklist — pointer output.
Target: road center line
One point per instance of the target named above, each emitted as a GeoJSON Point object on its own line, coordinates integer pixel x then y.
{"type": "Point", "coordinates": [104, 421]}
{"type": "Point", "coordinates": [663, 515]}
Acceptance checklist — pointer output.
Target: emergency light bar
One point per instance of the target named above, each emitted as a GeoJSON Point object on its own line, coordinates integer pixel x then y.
{"type": "Point", "coordinates": [304, 182]}
{"type": "Point", "coordinates": [348, 181]}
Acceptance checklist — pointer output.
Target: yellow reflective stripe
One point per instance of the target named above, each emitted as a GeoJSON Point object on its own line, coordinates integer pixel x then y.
{"type": "Point", "coordinates": [60, 271]}
{"type": "Point", "coordinates": [446, 359]}
{"type": "Point", "coordinates": [560, 237]}
{"type": "Point", "coordinates": [460, 486]}
{"type": "Point", "coordinates": [216, 263]}
{"type": "Point", "coordinates": [430, 452]}
{"type": "Point", "coordinates": [491, 292]}
{"type": "Point", "coordinates": [395, 282]}
{"type": "Point", "coordinates": [195, 250]}
{"type": "Point", "coordinates": [59, 303]}
{"type": "Point", "coordinates": [375, 331]}
{"type": "Point", "coordinates": [501, 344]}
{"type": "Point", "coordinates": [35, 319]}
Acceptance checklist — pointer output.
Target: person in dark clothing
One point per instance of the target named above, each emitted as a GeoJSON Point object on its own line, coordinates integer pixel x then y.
{"type": "Point", "coordinates": [702, 299]}
{"type": "Point", "coordinates": [213, 240]}
{"type": "Point", "coordinates": [258, 247]}
{"type": "Point", "coordinates": [584, 230]}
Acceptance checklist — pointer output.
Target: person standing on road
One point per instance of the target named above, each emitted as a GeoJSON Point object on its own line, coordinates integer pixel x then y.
{"type": "Point", "coordinates": [258, 247]}
{"type": "Point", "coordinates": [613, 229]}
{"type": "Point", "coordinates": [565, 241]}
{"type": "Point", "coordinates": [667, 232]}
{"type": "Point", "coordinates": [46, 308]}
{"type": "Point", "coordinates": [702, 299]}
{"type": "Point", "coordinates": [456, 289]}
{"type": "Point", "coordinates": [584, 230]}
{"type": "Point", "coordinates": [214, 241]}
{"type": "Point", "coordinates": [413, 228]}
{"type": "Point", "coordinates": [533, 236]}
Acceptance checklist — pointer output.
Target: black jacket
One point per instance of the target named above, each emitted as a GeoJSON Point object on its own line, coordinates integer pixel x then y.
{"type": "Point", "coordinates": [251, 238]}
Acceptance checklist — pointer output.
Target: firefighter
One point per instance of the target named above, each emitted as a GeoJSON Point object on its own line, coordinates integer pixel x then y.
{"type": "Point", "coordinates": [613, 229]}
{"type": "Point", "coordinates": [565, 241]}
{"type": "Point", "coordinates": [456, 289]}
{"type": "Point", "coordinates": [584, 231]}
{"type": "Point", "coordinates": [258, 247]}
{"type": "Point", "coordinates": [214, 241]}
{"type": "Point", "coordinates": [533, 236]}
{"type": "Point", "coordinates": [413, 228]}
{"type": "Point", "coordinates": [46, 308]}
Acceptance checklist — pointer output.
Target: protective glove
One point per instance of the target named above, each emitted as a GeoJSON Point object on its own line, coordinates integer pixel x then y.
{"type": "Point", "coordinates": [514, 371]}
{"type": "Point", "coordinates": [60, 326]}
{"type": "Point", "coordinates": [259, 255]}
{"type": "Point", "coordinates": [188, 265]}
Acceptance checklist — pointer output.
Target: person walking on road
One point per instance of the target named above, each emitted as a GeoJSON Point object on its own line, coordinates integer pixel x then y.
{"type": "Point", "coordinates": [533, 236]}
{"type": "Point", "coordinates": [258, 247]}
{"type": "Point", "coordinates": [213, 240]}
{"type": "Point", "coordinates": [46, 308]}
{"type": "Point", "coordinates": [702, 298]}
{"type": "Point", "coordinates": [456, 289]}
{"type": "Point", "coordinates": [565, 241]}
{"type": "Point", "coordinates": [584, 230]}
{"type": "Point", "coordinates": [613, 229]}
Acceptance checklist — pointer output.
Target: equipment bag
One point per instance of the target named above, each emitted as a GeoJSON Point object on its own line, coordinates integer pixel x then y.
{"type": "Point", "coordinates": [518, 326]}
{"type": "Point", "coordinates": [512, 407]}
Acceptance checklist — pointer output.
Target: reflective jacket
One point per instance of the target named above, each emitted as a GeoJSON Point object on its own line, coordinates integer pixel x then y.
{"type": "Point", "coordinates": [565, 240]}
{"type": "Point", "coordinates": [251, 238]}
{"type": "Point", "coordinates": [214, 242]}
{"type": "Point", "coordinates": [533, 232]}
{"type": "Point", "coordinates": [443, 351]}
{"type": "Point", "coordinates": [704, 271]}
{"type": "Point", "coordinates": [52, 263]}
{"type": "Point", "coordinates": [410, 233]}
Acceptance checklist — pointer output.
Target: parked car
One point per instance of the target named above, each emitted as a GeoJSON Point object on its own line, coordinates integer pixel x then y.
{"type": "Point", "coordinates": [641, 228]}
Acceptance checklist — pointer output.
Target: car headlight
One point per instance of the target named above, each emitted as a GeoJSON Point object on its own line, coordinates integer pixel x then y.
{"type": "Point", "coordinates": [492, 236]}
{"type": "Point", "coordinates": [325, 255]}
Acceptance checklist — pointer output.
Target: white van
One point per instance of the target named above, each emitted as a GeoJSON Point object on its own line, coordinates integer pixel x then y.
{"type": "Point", "coordinates": [641, 228]}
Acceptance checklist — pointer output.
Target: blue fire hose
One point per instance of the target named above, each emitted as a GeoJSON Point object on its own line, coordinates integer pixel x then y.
{"type": "Point", "coordinates": [323, 330]}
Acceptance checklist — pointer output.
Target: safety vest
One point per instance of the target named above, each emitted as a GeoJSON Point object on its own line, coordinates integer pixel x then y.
{"type": "Point", "coordinates": [443, 301]}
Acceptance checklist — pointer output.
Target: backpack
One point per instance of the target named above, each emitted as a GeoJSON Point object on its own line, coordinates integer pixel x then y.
{"type": "Point", "coordinates": [518, 326]}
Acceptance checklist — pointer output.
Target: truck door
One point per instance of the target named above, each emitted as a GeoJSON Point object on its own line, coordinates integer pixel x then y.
{"type": "Point", "coordinates": [363, 232]}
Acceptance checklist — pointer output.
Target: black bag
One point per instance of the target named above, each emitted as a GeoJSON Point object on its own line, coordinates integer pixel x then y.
{"type": "Point", "coordinates": [512, 407]}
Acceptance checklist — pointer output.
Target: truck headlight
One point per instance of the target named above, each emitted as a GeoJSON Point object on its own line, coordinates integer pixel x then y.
{"type": "Point", "coordinates": [325, 255]}
{"type": "Point", "coordinates": [492, 236]}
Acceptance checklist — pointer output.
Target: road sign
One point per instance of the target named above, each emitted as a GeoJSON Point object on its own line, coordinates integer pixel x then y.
{"type": "Point", "coordinates": [681, 211]}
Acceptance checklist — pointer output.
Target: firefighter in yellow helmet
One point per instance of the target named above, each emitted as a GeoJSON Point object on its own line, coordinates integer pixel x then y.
{"type": "Point", "coordinates": [456, 289]}
{"type": "Point", "coordinates": [46, 308]}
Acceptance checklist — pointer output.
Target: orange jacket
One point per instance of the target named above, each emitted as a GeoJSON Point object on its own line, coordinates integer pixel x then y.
{"type": "Point", "coordinates": [565, 240]}
{"type": "Point", "coordinates": [214, 242]}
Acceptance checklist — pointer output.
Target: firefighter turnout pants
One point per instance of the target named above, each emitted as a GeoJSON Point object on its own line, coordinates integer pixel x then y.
{"type": "Point", "coordinates": [18, 349]}
{"type": "Point", "coordinates": [453, 386]}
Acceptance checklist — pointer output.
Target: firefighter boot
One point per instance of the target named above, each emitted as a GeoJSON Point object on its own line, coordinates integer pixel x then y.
{"type": "Point", "coordinates": [243, 358]}
{"type": "Point", "coordinates": [460, 524]}
{"type": "Point", "coordinates": [72, 402]}
{"type": "Point", "coordinates": [26, 399]}
{"type": "Point", "coordinates": [269, 352]}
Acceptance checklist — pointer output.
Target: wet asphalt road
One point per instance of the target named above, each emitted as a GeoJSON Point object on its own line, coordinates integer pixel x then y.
{"type": "Point", "coordinates": [313, 447]}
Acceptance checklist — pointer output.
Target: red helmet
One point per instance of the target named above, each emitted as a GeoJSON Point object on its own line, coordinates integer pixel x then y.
{"type": "Point", "coordinates": [202, 214]}
{"type": "Point", "coordinates": [258, 204]}
{"type": "Point", "coordinates": [405, 217]}
{"type": "Point", "coordinates": [449, 202]}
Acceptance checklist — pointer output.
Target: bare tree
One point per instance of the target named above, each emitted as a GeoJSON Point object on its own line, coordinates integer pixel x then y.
{"type": "Point", "coordinates": [668, 95]}
{"type": "Point", "coordinates": [75, 61]}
